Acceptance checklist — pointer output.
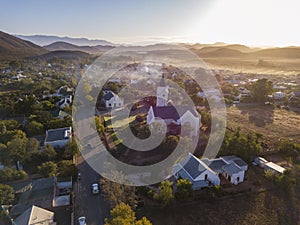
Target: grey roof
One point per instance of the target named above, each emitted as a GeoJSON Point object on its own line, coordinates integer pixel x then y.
{"type": "Point", "coordinates": [231, 169]}
{"type": "Point", "coordinates": [193, 167]}
{"type": "Point", "coordinates": [172, 112]}
{"type": "Point", "coordinates": [35, 215]}
{"type": "Point", "coordinates": [235, 159]}
{"type": "Point", "coordinates": [108, 96]}
{"type": "Point", "coordinates": [215, 164]}
{"type": "Point", "coordinates": [56, 134]}
{"type": "Point", "coordinates": [162, 82]}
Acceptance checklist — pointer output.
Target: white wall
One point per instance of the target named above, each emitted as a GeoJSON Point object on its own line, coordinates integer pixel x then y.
{"type": "Point", "coordinates": [211, 176]}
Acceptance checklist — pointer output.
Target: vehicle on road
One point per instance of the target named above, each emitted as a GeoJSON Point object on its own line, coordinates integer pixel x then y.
{"type": "Point", "coordinates": [95, 188]}
{"type": "Point", "coordinates": [82, 220]}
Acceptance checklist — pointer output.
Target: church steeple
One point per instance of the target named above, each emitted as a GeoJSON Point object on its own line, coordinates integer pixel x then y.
{"type": "Point", "coordinates": [162, 93]}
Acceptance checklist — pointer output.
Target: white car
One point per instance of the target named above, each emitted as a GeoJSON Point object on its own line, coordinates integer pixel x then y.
{"type": "Point", "coordinates": [95, 188]}
{"type": "Point", "coordinates": [81, 220]}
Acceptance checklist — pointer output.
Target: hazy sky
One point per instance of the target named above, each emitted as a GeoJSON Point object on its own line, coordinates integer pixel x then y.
{"type": "Point", "coordinates": [252, 22]}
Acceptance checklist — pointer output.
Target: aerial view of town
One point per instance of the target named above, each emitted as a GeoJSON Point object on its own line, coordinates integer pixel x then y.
{"type": "Point", "coordinates": [149, 112]}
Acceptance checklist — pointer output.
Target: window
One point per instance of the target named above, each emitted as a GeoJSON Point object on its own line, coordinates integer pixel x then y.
{"type": "Point", "coordinates": [205, 176]}
{"type": "Point", "coordinates": [238, 179]}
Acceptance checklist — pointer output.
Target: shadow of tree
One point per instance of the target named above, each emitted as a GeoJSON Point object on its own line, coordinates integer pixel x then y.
{"type": "Point", "coordinates": [259, 116]}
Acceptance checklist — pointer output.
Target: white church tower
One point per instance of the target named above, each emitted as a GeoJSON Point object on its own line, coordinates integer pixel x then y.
{"type": "Point", "coordinates": [162, 93]}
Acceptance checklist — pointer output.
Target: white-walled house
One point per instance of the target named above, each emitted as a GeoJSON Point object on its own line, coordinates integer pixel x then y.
{"type": "Point", "coordinates": [232, 167]}
{"type": "Point", "coordinates": [233, 173]}
{"type": "Point", "coordinates": [197, 172]}
{"type": "Point", "coordinates": [112, 100]}
{"type": "Point", "coordinates": [58, 137]}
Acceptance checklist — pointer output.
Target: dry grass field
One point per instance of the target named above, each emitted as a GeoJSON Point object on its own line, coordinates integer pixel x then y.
{"type": "Point", "coordinates": [272, 123]}
{"type": "Point", "coordinates": [275, 66]}
{"type": "Point", "coordinates": [258, 208]}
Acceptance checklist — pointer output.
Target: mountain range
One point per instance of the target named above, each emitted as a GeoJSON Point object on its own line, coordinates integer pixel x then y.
{"type": "Point", "coordinates": [56, 46]}
{"type": "Point", "coordinates": [12, 47]}
{"type": "Point", "coordinates": [42, 40]}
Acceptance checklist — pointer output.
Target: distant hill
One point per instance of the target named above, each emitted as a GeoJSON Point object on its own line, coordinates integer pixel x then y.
{"type": "Point", "coordinates": [288, 52]}
{"type": "Point", "coordinates": [12, 47]}
{"type": "Point", "coordinates": [56, 46]}
{"type": "Point", "coordinates": [217, 52]}
{"type": "Point", "coordinates": [64, 55]}
{"type": "Point", "coordinates": [47, 40]}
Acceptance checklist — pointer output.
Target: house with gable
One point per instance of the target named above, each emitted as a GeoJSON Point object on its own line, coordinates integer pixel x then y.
{"type": "Point", "coordinates": [35, 215]}
{"type": "Point", "coordinates": [206, 172]}
{"type": "Point", "coordinates": [112, 100]}
{"type": "Point", "coordinates": [197, 172]}
{"type": "Point", "coordinates": [232, 167]}
{"type": "Point", "coordinates": [173, 116]}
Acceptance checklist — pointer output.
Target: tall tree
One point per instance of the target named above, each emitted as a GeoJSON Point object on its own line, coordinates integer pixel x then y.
{"type": "Point", "coordinates": [47, 169]}
{"type": "Point", "coordinates": [123, 214]}
{"type": "Point", "coordinates": [165, 194]}
{"type": "Point", "coordinates": [261, 89]}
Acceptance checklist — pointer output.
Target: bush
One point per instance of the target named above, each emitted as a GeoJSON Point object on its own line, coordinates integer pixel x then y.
{"type": "Point", "coordinates": [10, 174]}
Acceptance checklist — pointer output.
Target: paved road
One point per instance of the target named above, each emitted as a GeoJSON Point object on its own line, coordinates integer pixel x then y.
{"type": "Point", "coordinates": [93, 207]}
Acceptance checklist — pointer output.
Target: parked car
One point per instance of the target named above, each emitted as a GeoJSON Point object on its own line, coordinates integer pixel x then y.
{"type": "Point", "coordinates": [95, 188]}
{"type": "Point", "coordinates": [82, 220]}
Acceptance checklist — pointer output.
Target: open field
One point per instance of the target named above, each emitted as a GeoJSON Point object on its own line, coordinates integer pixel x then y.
{"type": "Point", "coordinates": [263, 208]}
{"type": "Point", "coordinates": [276, 66]}
{"type": "Point", "coordinates": [272, 123]}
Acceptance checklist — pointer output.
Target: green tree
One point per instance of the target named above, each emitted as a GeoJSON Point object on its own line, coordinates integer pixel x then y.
{"type": "Point", "coordinates": [32, 145]}
{"type": "Point", "coordinates": [99, 125]}
{"type": "Point", "coordinates": [261, 89]}
{"type": "Point", "coordinates": [123, 214]}
{"type": "Point", "coordinates": [34, 128]}
{"type": "Point", "coordinates": [11, 174]}
{"type": "Point", "coordinates": [6, 194]}
{"type": "Point", "coordinates": [15, 65]}
{"type": "Point", "coordinates": [71, 149]}
{"type": "Point", "coordinates": [289, 148]}
{"type": "Point", "coordinates": [165, 195]}
{"type": "Point", "coordinates": [117, 193]}
{"type": "Point", "coordinates": [48, 153]}
{"type": "Point", "coordinates": [17, 148]}
{"type": "Point", "coordinates": [67, 168]}
{"type": "Point", "coordinates": [47, 169]}
{"type": "Point", "coordinates": [184, 189]}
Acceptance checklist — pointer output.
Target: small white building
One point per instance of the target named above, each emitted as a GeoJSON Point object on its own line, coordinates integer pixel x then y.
{"type": "Point", "coordinates": [112, 100]}
{"type": "Point", "coordinates": [274, 168]}
{"type": "Point", "coordinates": [279, 95]}
{"type": "Point", "coordinates": [58, 137]}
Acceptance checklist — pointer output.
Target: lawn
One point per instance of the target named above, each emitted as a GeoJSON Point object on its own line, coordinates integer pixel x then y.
{"type": "Point", "coordinates": [118, 123]}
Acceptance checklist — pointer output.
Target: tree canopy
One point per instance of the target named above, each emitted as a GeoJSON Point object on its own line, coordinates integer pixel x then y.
{"type": "Point", "coordinates": [123, 214]}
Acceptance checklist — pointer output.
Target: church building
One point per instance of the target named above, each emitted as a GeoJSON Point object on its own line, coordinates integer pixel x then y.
{"type": "Point", "coordinates": [174, 116]}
